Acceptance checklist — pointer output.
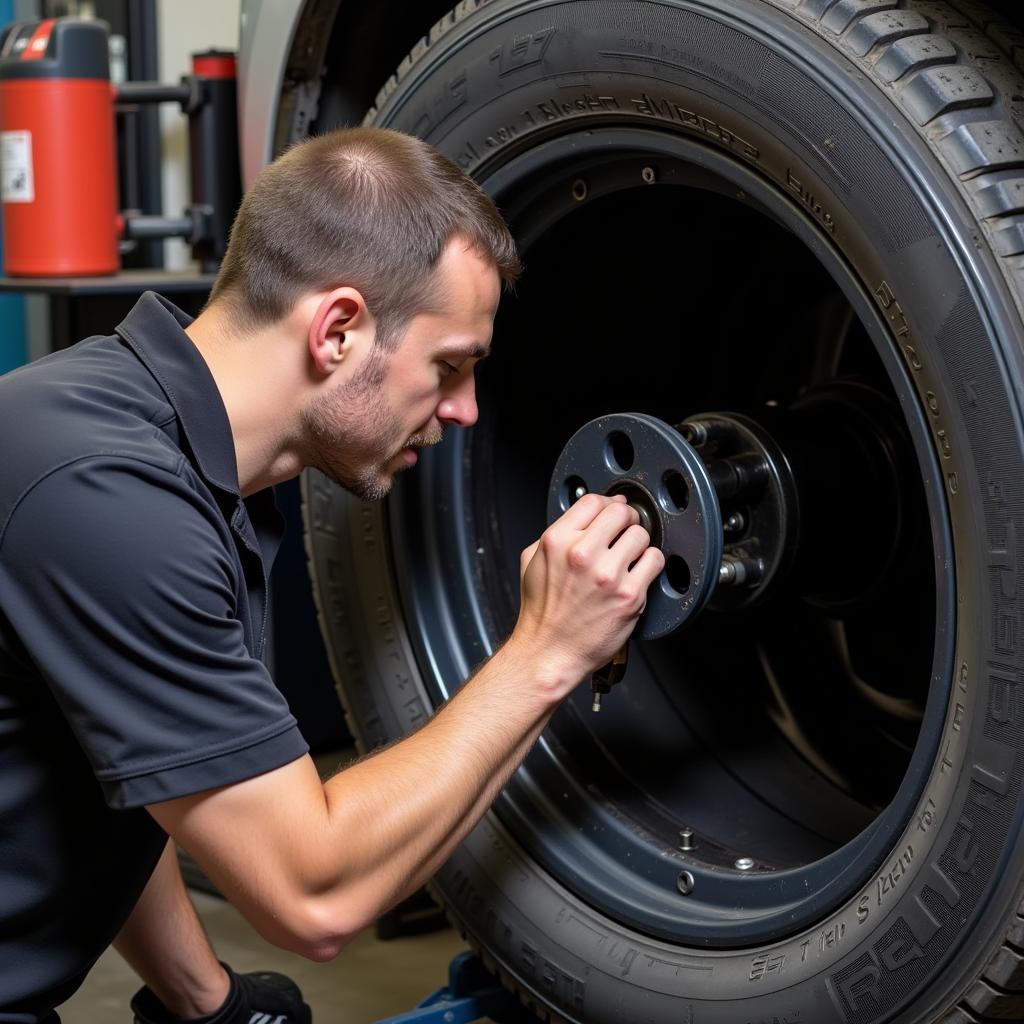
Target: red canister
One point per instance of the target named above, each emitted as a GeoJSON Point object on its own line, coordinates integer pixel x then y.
{"type": "Point", "coordinates": [58, 171]}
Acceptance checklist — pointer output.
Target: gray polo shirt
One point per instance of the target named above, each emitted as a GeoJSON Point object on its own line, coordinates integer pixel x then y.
{"type": "Point", "coordinates": [132, 621]}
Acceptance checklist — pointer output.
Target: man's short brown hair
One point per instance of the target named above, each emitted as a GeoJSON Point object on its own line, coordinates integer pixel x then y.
{"type": "Point", "coordinates": [365, 207]}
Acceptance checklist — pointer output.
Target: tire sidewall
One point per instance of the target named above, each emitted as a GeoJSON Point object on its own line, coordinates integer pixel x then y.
{"type": "Point", "coordinates": [512, 73]}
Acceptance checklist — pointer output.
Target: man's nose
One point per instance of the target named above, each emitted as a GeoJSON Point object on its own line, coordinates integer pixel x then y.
{"type": "Point", "coordinates": [458, 407]}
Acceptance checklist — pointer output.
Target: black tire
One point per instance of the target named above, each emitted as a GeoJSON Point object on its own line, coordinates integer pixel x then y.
{"type": "Point", "coordinates": [876, 139]}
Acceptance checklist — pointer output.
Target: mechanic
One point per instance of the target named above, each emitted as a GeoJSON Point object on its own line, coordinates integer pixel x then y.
{"type": "Point", "coordinates": [137, 528]}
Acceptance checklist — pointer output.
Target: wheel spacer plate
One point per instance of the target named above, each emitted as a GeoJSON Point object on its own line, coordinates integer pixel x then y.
{"type": "Point", "coordinates": [649, 460]}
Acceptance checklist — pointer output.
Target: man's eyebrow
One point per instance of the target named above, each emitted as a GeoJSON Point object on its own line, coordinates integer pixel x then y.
{"type": "Point", "coordinates": [468, 351]}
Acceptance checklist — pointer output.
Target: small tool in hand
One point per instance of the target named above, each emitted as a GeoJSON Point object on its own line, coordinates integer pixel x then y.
{"type": "Point", "coordinates": [608, 675]}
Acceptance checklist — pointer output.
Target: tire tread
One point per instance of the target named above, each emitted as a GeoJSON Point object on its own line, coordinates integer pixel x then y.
{"type": "Point", "coordinates": [954, 70]}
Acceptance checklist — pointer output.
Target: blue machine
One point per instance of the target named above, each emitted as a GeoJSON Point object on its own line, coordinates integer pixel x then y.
{"type": "Point", "coordinates": [471, 994]}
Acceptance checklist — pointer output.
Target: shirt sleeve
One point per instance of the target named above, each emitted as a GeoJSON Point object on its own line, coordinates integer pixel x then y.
{"type": "Point", "coordinates": [120, 581]}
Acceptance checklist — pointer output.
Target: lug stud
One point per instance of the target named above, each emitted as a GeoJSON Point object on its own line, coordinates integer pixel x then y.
{"type": "Point", "coordinates": [738, 572]}
{"type": "Point", "coordinates": [735, 523]}
{"type": "Point", "coordinates": [695, 433]}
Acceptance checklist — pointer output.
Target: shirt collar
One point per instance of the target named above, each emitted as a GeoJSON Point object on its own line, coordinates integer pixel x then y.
{"type": "Point", "coordinates": [155, 331]}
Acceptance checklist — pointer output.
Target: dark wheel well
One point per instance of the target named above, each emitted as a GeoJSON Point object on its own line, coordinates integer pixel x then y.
{"type": "Point", "coordinates": [342, 53]}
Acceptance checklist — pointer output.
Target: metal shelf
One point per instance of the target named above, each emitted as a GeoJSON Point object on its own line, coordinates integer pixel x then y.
{"type": "Point", "coordinates": [166, 282]}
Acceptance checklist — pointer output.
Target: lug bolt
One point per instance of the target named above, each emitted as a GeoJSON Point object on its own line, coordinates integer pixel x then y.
{"type": "Point", "coordinates": [695, 433]}
{"type": "Point", "coordinates": [579, 492]}
{"type": "Point", "coordinates": [579, 190]}
{"type": "Point", "coordinates": [686, 840]}
{"type": "Point", "coordinates": [685, 883]}
{"type": "Point", "coordinates": [744, 864]}
{"type": "Point", "coordinates": [737, 572]}
{"type": "Point", "coordinates": [649, 175]}
{"type": "Point", "coordinates": [734, 523]}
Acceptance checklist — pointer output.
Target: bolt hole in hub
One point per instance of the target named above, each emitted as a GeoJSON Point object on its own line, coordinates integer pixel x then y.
{"type": "Point", "coordinates": [675, 491]}
{"type": "Point", "coordinates": [677, 572]}
{"type": "Point", "coordinates": [788, 725]}
{"type": "Point", "coordinates": [573, 489]}
{"type": "Point", "coordinates": [620, 451]}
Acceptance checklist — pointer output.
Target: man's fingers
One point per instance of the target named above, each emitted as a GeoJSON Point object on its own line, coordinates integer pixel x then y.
{"type": "Point", "coordinates": [583, 513]}
{"type": "Point", "coordinates": [630, 546]}
{"type": "Point", "coordinates": [648, 567]}
{"type": "Point", "coordinates": [592, 543]}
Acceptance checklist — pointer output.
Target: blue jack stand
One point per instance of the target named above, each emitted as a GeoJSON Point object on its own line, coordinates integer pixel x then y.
{"type": "Point", "coordinates": [471, 994]}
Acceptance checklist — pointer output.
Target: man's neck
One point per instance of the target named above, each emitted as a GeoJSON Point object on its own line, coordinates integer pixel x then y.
{"type": "Point", "coordinates": [259, 380]}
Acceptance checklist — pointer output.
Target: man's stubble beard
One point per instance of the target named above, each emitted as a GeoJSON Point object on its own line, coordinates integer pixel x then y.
{"type": "Point", "coordinates": [349, 433]}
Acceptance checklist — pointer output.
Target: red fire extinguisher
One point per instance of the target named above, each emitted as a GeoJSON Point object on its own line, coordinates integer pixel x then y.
{"type": "Point", "coordinates": [58, 173]}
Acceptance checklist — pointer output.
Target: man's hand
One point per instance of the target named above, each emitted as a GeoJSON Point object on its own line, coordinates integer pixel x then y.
{"type": "Point", "coordinates": [584, 585]}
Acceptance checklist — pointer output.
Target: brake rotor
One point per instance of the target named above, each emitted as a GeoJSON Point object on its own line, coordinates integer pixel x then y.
{"type": "Point", "coordinates": [665, 480]}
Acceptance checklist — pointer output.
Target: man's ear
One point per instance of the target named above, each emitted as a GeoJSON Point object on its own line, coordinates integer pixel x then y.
{"type": "Point", "coordinates": [338, 316]}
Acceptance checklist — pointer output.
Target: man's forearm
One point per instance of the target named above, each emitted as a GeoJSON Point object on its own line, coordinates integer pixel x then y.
{"type": "Point", "coordinates": [311, 864]}
{"type": "Point", "coordinates": [398, 816]}
{"type": "Point", "coordinates": [476, 812]}
{"type": "Point", "coordinates": [166, 946]}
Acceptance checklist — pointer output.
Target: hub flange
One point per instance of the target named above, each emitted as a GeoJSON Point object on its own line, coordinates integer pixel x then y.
{"type": "Point", "coordinates": [665, 480]}
{"type": "Point", "coordinates": [758, 499]}
{"type": "Point", "coordinates": [716, 494]}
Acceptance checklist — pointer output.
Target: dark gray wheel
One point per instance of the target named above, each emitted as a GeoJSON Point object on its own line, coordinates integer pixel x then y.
{"type": "Point", "coordinates": [805, 218]}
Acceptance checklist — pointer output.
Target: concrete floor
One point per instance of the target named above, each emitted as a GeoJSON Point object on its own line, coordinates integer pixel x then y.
{"type": "Point", "coordinates": [368, 981]}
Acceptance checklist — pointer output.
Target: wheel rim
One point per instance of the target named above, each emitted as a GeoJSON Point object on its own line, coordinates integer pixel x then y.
{"type": "Point", "coordinates": [724, 738]}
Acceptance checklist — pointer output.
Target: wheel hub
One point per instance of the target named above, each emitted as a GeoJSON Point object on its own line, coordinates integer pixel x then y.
{"type": "Point", "coordinates": [715, 493]}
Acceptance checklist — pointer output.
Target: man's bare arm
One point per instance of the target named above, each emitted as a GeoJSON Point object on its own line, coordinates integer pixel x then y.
{"type": "Point", "coordinates": [311, 864]}
{"type": "Point", "coordinates": [167, 948]}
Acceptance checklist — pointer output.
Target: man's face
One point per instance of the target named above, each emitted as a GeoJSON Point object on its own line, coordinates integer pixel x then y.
{"type": "Point", "coordinates": [369, 428]}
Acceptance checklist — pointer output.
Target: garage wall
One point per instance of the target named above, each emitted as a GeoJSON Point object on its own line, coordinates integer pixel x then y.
{"type": "Point", "coordinates": [184, 27]}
